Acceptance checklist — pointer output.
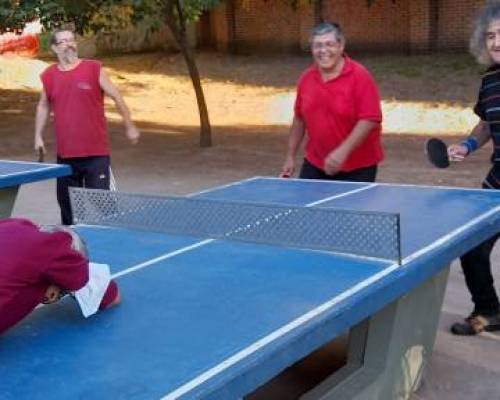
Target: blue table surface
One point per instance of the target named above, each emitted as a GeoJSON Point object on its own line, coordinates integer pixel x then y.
{"type": "Point", "coordinates": [14, 173]}
{"type": "Point", "coordinates": [212, 318]}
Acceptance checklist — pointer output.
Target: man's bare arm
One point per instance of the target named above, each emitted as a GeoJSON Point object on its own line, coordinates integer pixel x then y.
{"type": "Point", "coordinates": [297, 132]}
{"type": "Point", "coordinates": [41, 117]}
{"type": "Point", "coordinates": [110, 90]}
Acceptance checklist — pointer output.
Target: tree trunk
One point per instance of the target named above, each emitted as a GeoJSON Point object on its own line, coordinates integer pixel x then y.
{"type": "Point", "coordinates": [180, 38]}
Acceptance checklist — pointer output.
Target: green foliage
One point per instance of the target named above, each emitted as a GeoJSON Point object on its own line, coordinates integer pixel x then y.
{"type": "Point", "coordinates": [107, 15]}
{"type": "Point", "coordinates": [192, 9]}
{"type": "Point", "coordinates": [14, 14]}
{"type": "Point", "coordinates": [101, 15]}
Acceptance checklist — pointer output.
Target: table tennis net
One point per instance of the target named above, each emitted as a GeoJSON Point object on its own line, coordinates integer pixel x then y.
{"type": "Point", "coordinates": [360, 233]}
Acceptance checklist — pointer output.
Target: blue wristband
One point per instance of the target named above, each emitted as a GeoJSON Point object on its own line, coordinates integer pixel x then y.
{"type": "Point", "coordinates": [470, 144]}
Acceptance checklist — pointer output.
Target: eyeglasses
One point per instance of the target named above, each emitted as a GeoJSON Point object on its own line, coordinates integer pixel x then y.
{"type": "Point", "coordinates": [63, 41]}
{"type": "Point", "coordinates": [325, 45]}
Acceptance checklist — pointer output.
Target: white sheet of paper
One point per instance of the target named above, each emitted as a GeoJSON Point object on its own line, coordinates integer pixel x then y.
{"type": "Point", "coordinates": [89, 297]}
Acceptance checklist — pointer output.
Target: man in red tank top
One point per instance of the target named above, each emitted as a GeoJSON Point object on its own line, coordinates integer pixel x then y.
{"type": "Point", "coordinates": [74, 89]}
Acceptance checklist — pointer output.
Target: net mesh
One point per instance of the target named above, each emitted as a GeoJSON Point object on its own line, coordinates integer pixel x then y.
{"type": "Point", "coordinates": [373, 234]}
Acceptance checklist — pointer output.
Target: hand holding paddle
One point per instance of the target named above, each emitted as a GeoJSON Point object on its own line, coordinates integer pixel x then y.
{"type": "Point", "coordinates": [457, 152]}
{"type": "Point", "coordinates": [288, 168]}
{"type": "Point", "coordinates": [41, 155]}
{"type": "Point", "coordinates": [39, 147]}
{"type": "Point", "coordinates": [440, 155]}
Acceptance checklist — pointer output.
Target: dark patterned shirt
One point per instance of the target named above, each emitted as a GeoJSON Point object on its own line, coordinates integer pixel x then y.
{"type": "Point", "coordinates": [488, 109]}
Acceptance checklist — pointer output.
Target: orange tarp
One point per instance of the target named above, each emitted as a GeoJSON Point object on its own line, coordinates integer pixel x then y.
{"type": "Point", "coordinates": [22, 45]}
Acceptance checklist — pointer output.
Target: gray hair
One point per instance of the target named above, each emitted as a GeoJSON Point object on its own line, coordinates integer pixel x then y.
{"type": "Point", "coordinates": [77, 242]}
{"type": "Point", "coordinates": [489, 13]}
{"type": "Point", "coordinates": [326, 27]}
{"type": "Point", "coordinates": [53, 34]}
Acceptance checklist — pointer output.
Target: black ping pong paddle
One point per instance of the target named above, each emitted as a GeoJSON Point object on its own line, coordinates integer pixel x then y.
{"type": "Point", "coordinates": [437, 153]}
{"type": "Point", "coordinates": [41, 156]}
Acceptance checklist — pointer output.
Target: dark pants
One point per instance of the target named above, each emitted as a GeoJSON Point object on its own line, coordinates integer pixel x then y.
{"type": "Point", "coordinates": [366, 174]}
{"type": "Point", "coordinates": [88, 172]}
{"type": "Point", "coordinates": [476, 266]}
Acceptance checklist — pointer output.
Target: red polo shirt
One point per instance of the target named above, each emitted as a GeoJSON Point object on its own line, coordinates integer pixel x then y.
{"type": "Point", "coordinates": [331, 109]}
{"type": "Point", "coordinates": [31, 261]}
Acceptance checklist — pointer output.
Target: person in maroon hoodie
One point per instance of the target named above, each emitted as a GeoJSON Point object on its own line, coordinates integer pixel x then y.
{"type": "Point", "coordinates": [38, 265]}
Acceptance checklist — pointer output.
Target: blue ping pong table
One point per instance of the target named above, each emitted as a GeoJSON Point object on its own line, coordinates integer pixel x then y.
{"type": "Point", "coordinates": [15, 173]}
{"type": "Point", "coordinates": [215, 319]}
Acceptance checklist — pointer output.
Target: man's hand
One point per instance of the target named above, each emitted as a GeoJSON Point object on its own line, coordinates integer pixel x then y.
{"type": "Point", "coordinates": [52, 294]}
{"type": "Point", "coordinates": [333, 161]}
{"type": "Point", "coordinates": [117, 300]}
{"type": "Point", "coordinates": [39, 146]}
{"type": "Point", "coordinates": [133, 133]}
{"type": "Point", "coordinates": [457, 152]}
{"type": "Point", "coordinates": [288, 168]}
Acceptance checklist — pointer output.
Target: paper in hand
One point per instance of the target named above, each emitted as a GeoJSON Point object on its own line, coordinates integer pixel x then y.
{"type": "Point", "coordinates": [90, 296]}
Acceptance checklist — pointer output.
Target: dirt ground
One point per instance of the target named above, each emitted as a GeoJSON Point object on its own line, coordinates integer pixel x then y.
{"type": "Point", "coordinates": [248, 99]}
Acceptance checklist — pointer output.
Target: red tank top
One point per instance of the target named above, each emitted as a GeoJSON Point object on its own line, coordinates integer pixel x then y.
{"type": "Point", "coordinates": [77, 101]}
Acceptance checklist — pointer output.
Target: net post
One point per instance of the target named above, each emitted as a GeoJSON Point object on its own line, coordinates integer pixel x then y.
{"type": "Point", "coordinates": [398, 233]}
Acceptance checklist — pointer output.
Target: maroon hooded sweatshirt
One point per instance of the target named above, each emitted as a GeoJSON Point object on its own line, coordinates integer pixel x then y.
{"type": "Point", "coordinates": [31, 261]}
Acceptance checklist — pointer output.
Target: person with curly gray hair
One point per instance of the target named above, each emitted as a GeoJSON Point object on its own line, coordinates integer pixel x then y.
{"type": "Point", "coordinates": [476, 264]}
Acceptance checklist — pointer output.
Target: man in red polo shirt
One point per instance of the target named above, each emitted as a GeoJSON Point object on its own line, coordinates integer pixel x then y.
{"type": "Point", "coordinates": [73, 89]}
{"type": "Point", "coordinates": [338, 108]}
{"type": "Point", "coordinates": [37, 264]}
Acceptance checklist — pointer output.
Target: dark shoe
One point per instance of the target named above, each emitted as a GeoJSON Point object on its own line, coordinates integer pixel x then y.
{"type": "Point", "coordinates": [477, 323]}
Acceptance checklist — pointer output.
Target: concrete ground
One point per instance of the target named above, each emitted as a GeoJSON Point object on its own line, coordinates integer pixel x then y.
{"type": "Point", "coordinates": [461, 368]}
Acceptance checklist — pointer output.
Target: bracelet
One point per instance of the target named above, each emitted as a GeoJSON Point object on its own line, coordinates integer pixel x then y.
{"type": "Point", "coordinates": [470, 144]}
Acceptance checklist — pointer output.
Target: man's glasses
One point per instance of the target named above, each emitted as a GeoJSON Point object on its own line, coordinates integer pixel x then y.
{"type": "Point", "coordinates": [325, 45]}
{"type": "Point", "coordinates": [65, 41]}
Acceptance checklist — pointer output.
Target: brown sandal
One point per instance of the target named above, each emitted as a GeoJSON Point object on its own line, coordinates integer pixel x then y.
{"type": "Point", "coordinates": [477, 323]}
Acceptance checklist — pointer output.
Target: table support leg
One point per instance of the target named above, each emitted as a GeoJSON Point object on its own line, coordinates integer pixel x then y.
{"type": "Point", "coordinates": [7, 199]}
{"type": "Point", "coordinates": [389, 351]}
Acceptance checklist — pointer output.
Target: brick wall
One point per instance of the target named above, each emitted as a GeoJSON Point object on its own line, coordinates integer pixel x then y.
{"type": "Point", "coordinates": [455, 23]}
{"type": "Point", "coordinates": [267, 25]}
{"type": "Point", "coordinates": [388, 26]}
{"type": "Point", "coordinates": [421, 31]}
{"type": "Point", "coordinates": [383, 26]}
{"type": "Point", "coordinates": [215, 28]}
{"type": "Point", "coordinates": [307, 20]}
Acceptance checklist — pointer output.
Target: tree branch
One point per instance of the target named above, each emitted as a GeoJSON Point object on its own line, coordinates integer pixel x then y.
{"type": "Point", "coordinates": [182, 24]}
